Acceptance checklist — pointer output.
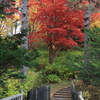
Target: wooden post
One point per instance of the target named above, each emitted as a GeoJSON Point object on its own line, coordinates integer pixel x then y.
{"type": "Point", "coordinates": [80, 95]}
{"type": "Point", "coordinates": [48, 92]}
{"type": "Point", "coordinates": [73, 85]}
{"type": "Point", "coordinates": [72, 89]}
{"type": "Point", "coordinates": [21, 91]}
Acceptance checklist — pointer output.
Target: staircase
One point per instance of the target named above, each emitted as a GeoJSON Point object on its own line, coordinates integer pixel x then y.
{"type": "Point", "coordinates": [63, 94]}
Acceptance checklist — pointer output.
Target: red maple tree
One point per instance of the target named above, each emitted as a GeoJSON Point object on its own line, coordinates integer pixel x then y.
{"type": "Point", "coordinates": [60, 26]}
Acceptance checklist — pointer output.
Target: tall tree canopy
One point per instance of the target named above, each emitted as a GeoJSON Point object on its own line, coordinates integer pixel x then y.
{"type": "Point", "coordinates": [60, 23]}
{"type": "Point", "coordinates": [60, 26]}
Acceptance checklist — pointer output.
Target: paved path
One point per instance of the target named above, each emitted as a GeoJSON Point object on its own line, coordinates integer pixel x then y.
{"type": "Point", "coordinates": [63, 94]}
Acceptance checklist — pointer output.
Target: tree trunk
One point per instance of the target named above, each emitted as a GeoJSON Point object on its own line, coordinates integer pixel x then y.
{"type": "Point", "coordinates": [87, 16]}
{"type": "Point", "coordinates": [86, 37]}
{"type": "Point", "coordinates": [51, 54]}
{"type": "Point", "coordinates": [24, 29]}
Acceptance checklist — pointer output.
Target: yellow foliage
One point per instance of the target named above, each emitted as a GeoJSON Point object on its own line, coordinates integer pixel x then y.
{"type": "Point", "coordinates": [95, 23]}
{"type": "Point", "coordinates": [18, 3]}
{"type": "Point", "coordinates": [33, 25]}
{"type": "Point", "coordinates": [6, 26]}
{"type": "Point", "coordinates": [16, 17]}
{"type": "Point", "coordinates": [95, 19]}
{"type": "Point", "coordinates": [86, 95]}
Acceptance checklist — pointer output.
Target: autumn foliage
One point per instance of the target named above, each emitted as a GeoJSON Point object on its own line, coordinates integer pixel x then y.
{"type": "Point", "coordinates": [59, 23]}
{"type": "Point", "coordinates": [9, 8]}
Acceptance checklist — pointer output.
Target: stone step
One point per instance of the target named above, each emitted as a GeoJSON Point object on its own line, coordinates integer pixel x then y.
{"type": "Point", "coordinates": [62, 94]}
{"type": "Point", "coordinates": [59, 99]}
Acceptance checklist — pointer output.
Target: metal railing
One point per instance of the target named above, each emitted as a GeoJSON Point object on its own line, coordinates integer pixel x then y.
{"type": "Point", "coordinates": [15, 97]}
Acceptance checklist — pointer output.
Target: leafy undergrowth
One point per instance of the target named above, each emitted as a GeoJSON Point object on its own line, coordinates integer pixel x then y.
{"type": "Point", "coordinates": [60, 68]}
{"type": "Point", "coordinates": [14, 85]}
{"type": "Point", "coordinates": [58, 86]}
{"type": "Point", "coordinates": [90, 92]}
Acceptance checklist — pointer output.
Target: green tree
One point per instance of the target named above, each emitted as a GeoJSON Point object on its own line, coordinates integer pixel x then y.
{"type": "Point", "coordinates": [94, 51]}
{"type": "Point", "coordinates": [77, 63]}
{"type": "Point", "coordinates": [13, 57]}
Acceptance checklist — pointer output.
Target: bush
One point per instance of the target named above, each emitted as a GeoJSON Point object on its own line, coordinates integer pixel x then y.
{"type": "Point", "coordinates": [58, 67]}
{"type": "Point", "coordinates": [53, 78]}
{"type": "Point", "coordinates": [60, 70]}
{"type": "Point", "coordinates": [42, 60]}
{"type": "Point", "coordinates": [90, 92]}
{"type": "Point", "coordinates": [13, 86]}
{"type": "Point", "coordinates": [86, 95]}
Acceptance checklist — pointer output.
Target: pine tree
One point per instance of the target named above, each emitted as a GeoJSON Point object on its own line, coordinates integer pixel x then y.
{"type": "Point", "coordinates": [94, 52]}
{"type": "Point", "coordinates": [91, 74]}
{"type": "Point", "coordinates": [13, 57]}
